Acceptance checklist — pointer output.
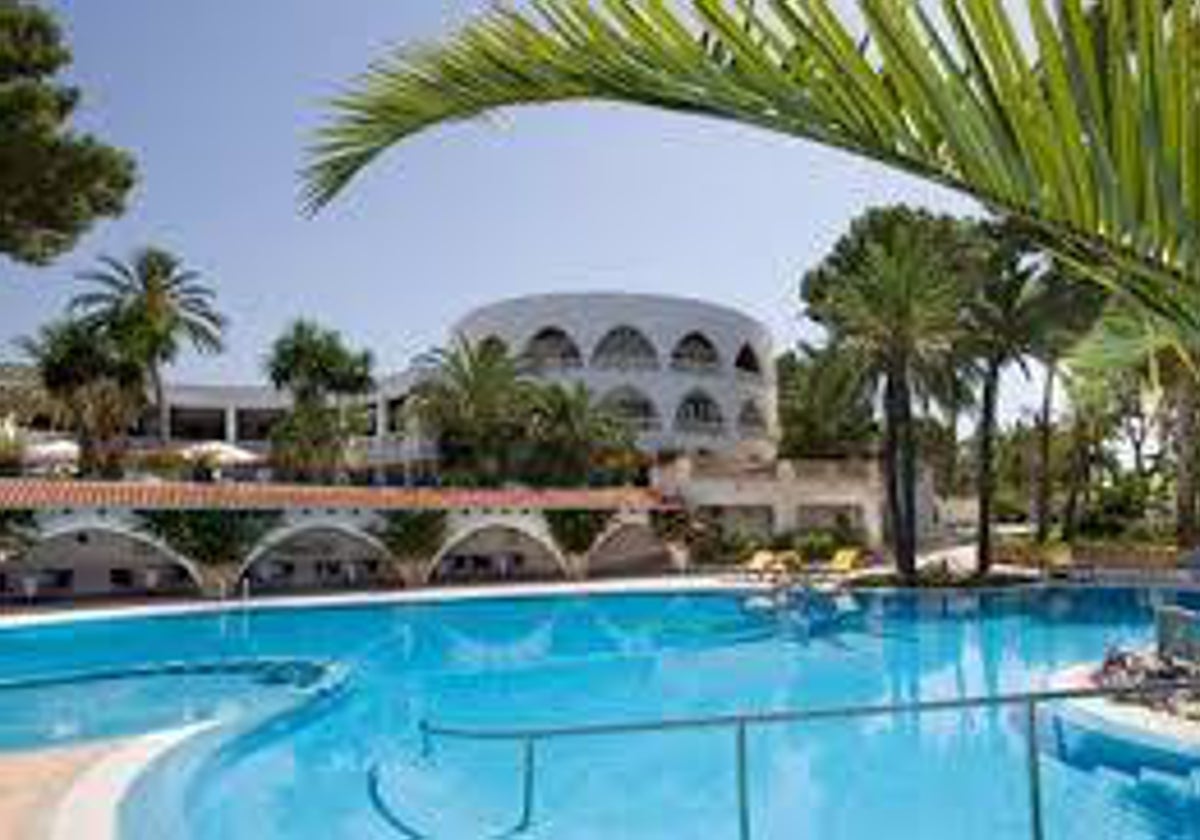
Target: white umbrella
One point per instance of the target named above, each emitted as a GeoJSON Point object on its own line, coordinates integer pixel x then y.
{"type": "Point", "coordinates": [220, 454]}
{"type": "Point", "coordinates": [52, 452]}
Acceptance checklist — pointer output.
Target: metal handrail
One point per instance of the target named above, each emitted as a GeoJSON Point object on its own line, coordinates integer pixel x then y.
{"type": "Point", "coordinates": [741, 723]}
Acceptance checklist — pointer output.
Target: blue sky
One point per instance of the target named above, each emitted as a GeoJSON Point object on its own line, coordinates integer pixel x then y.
{"type": "Point", "coordinates": [218, 100]}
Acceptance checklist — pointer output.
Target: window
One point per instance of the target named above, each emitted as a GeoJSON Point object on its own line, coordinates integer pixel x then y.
{"type": "Point", "coordinates": [625, 348]}
{"type": "Point", "coordinates": [696, 353]}
{"type": "Point", "coordinates": [634, 408]}
{"type": "Point", "coordinates": [747, 361]}
{"type": "Point", "coordinates": [699, 414]}
{"type": "Point", "coordinates": [552, 349]}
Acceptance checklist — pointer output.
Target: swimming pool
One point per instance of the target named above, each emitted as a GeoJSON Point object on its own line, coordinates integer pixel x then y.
{"type": "Point", "coordinates": [339, 753]}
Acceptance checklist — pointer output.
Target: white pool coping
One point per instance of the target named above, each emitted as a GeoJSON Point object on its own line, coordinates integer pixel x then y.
{"type": "Point", "coordinates": [91, 808]}
{"type": "Point", "coordinates": [1126, 721]}
{"type": "Point", "coordinates": [666, 585]}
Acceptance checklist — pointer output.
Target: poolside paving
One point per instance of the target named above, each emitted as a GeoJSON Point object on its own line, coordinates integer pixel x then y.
{"type": "Point", "coordinates": [32, 784]}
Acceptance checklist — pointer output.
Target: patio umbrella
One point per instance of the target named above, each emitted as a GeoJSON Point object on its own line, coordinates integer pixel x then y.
{"type": "Point", "coordinates": [52, 452]}
{"type": "Point", "coordinates": [220, 454]}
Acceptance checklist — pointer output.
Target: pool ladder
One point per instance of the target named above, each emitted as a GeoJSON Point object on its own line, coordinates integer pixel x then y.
{"type": "Point", "coordinates": [739, 726]}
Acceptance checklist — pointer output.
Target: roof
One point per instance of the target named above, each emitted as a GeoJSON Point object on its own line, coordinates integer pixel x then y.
{"type": "Point", "coordinates": [27, 494]}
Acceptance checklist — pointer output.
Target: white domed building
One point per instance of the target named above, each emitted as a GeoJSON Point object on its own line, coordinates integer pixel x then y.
{"type": "Point", "coordinates": [689, 376]}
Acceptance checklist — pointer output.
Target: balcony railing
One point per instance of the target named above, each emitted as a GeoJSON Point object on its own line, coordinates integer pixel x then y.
{"type": "Point", "coordinates": [528, 741]}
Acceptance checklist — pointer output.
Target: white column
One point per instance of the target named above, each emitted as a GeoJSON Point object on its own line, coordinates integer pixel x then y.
{"type": "Point", "coordinates": [231, 429]}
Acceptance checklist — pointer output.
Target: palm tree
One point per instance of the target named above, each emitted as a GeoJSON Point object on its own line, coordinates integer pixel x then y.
{"type": "Point", "coordinates": [478, 403]}
{"type": "Point", "coordinates": [97, 388]}
{"type": "Point", "coordinates": [1019, 305]}
{"type": "Point", "coordinates": [891, 296]}
{"type": "Point", "coordinates": [1086, 130]}
{"type": "Point", "coordinates": [314, 363]}
{"type": "Point", "coordinates": [322, 373]}
{"type": "Point", "coordinates": [568, 434]}
{"type": "Point", "coordinates": [1128, 342]}
{"type": "Point", "coordinates": [153, 305]}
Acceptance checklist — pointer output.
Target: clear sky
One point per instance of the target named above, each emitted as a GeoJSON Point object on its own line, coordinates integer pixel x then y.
{"type": "Point", "coordinates": [218, 100]}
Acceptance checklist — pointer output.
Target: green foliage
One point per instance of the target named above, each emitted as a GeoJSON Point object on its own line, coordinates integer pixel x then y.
{"type": "Point", "coordinates": [320, 370]}
{"type": "Point", "coordinates": [576, 531]}
{"type": "Point", "coordinates": [820, 416]}
{"type": "Point", "coordinates": [892, 296]}
{"type": "Point", "coordinates": [1116, 509]}
{"type": "Point", "coordinates": [54, 183]}
{"type": "Point", "coordinates": [18, 530]}
{"type": "Point", "coordinates": [495, 425]}
{"type": "Point", "coordinates": [309, 444]}
{"type": "Point", "coordinates": [151, 305]}
{"type": "Point", "coordinates": [98, 389]}
{"type": "Point", "coordinates": [818, 546]}
{"type": "Point", "coordinates": [314, 363]}
{"type": "Point", "coordinates": [210, 537]}
{"type": "Point", "coordinates": [1086, 130]}
{"type": "Point", "coordinates": [413, 534]}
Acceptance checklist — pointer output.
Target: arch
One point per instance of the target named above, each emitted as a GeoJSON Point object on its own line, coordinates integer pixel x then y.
{"type": "Point", "coordinates": [751, 419]}
{"type": "Point", "coordinates": [552, 348]}
{"type": "Point", "coordinates": [122, 530]}
{"type": "Point", "coordinates": [696, 353]}
{"type": "Point", "coordinates": [699, 413]}
{"type": "Point", "coordinates": [522, 530]}
{"type": "Point", "coordinates": [629, 548]}
{"type": "Point", "coordinates": [625, 348]}
{"type": "Point", "coordinates": [281, 536]}
{"type": "Point", "coordinates": [748, 362]}
{"type": "Point", "coordinates": [633, 407]}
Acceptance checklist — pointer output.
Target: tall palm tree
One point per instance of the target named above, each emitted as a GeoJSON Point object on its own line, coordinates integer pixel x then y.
{"type": "Point", "coordinates": [1087, 130]}
{"type": "Point", "coordinates": [477, 402]}
{"type": "Point", "coordinates": [153, 305]}
{"type": "Point", "coordinates": [1018, 306]}
{"type": "Point", "coordinates": [892, 296]}
{"type": "Point", "coordinates": [96, 387]}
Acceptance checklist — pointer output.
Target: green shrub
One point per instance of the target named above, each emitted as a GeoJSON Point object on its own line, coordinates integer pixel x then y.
{"type": "Point", "coordinates": [413, 534]}
{"type": "Point", "coordinates": [210, 537]}
{"type": "Point", "coordinates": [575, 531]}
{"type": "Point", "coordinates": [819, 546]}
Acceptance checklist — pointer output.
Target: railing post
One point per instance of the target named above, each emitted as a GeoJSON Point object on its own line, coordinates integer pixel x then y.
{"type": "Point", "coordinates": [743, 784]}
{"type": "Point", "coordinates": [527, 788]}
{"type": "Point", "coordinates": [1034, 769]}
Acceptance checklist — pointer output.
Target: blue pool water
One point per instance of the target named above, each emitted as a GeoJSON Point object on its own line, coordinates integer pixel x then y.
{"type": "Point", "coordinates": [338, 754]}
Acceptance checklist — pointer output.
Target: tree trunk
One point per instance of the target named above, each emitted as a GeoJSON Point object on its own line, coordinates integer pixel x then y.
{"type": "Point", "coordinates": [1187, 469]}
{"type": "Point", "coordinates": [900, 468]}
{"type": "Point", "coordinates": [985, 470]}
{"type": "Point", "coordinates": [1041, 500]}
{"type": "Point", "coordinates": [1080, 455]}
{"type": "Point", "coordinates": [160, 404]}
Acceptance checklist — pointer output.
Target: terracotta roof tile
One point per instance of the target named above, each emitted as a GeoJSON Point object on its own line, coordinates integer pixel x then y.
{"type": "Point", "coordinates": [40, 494]}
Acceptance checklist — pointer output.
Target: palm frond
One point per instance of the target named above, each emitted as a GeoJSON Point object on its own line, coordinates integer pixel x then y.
{"type": "Point", "coordinates": [1087, 132]}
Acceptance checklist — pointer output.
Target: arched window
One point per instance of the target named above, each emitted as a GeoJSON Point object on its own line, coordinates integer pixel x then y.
{"type": "Point", "coordinates": [552, 349]}
{"type": "Point", "coordinates": [751, 421]}
{"type": "Point", "coordinates": [625, 348]}
{"type": "Point", "coordinates": [634, 408]}
{"type": "Point", "coordinates": [696, 353]}
{"type": "Point", "coordinates": [699, 414]}
{"type": "Point", "coordinates": [748, 362]}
